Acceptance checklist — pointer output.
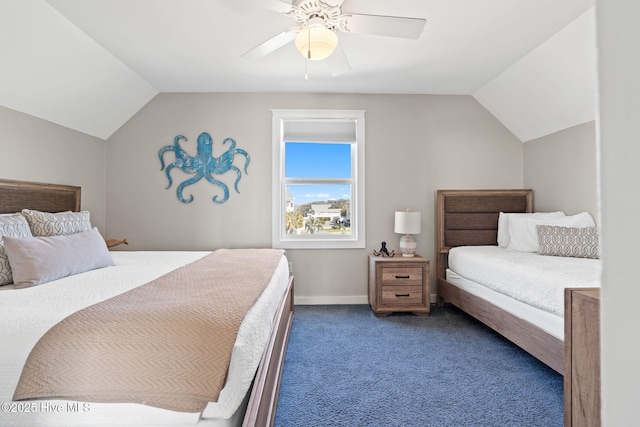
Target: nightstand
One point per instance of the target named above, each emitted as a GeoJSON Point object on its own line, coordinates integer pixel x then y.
{"type": "Point", "coordinates": [399, 284]}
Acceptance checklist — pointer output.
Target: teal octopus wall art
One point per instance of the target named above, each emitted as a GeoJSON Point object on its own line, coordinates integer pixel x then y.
{"type": "Point", "coordinates": [203, 164]}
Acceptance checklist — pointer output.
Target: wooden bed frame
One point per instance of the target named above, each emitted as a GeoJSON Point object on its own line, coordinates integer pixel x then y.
{"type": "Point", "coordinates": [470, 218]}
{"type": "Point", "coordinates": [263, 400]}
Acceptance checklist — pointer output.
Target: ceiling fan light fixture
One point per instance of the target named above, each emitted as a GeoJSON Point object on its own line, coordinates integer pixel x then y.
{"type": "Point", "coordinates": [316, 42]}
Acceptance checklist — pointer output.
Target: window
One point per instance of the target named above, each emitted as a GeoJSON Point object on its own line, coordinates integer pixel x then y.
{"type": "Point", "coordinates": [318, 179]}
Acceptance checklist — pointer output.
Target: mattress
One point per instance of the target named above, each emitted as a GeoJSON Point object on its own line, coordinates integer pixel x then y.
{"type": "Point", "coordinates": [548, 322]}
{"type": "Point", "coordinates": [535, 280]}
{"type": "Point", "coordinates": [28, 313]}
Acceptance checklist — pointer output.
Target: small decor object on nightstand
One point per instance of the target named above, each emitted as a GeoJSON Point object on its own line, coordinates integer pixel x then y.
{"type": "Point", "coordinates": [384, 251]}
{"type": "Point", "coordinates": [407, 223]}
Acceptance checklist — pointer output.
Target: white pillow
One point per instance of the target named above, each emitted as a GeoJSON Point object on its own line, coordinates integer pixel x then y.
{"type": "Point", "coordinates": [524, 236]}
{"type": "Point", "coordinates": [503, 223]}
{"type": "Point", "coordinates": [56, 224]}
{"type": "Point", "coordinates": [36, 260]}
{"type": "Point", "coordinates": [14, 225]}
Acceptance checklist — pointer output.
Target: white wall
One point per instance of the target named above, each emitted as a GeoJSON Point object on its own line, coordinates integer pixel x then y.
{"type": "Point", "coordinates": [32, 149]}
{"type": "Point", "coordinates": [619, 151]}
{"type": "Point", "coordinates": [551, 88]}
{"type": "Point", "coordinates": [415, 144]}
{"type": "Point", "coordinates": [561, 169]}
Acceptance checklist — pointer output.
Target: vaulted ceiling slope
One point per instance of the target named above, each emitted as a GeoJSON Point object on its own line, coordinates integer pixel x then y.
{"type": "Point", "coordinates": [90, 65]}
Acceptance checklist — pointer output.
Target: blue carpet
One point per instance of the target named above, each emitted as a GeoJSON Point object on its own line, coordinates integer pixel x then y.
{"type": "Point", "coordinates": [345, 367]}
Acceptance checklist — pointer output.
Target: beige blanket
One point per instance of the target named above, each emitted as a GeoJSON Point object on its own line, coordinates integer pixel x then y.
{"type": "Point", "coordinates": [166, 343]}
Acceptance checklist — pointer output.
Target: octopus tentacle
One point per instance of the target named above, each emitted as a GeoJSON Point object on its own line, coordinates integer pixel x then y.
{"type": "Point", "coordinates": [176, 141]}
{"type": "Point", "coordinates": [235, 184]}
{"type": "Point", "coordinates": [176, 148]}
{"type": "Point", "coordinates": [233, 143]}
{"type": "Point", "coordinates": [168, 173]}
{"type": "Point", "coordinates": [247, 158]}
{"type": "Point", "coordinates": [221, 185]}
{"type": "Point", "coordinates": [161, 154]}
{"type": "Point", "coordinates": [190, 181]}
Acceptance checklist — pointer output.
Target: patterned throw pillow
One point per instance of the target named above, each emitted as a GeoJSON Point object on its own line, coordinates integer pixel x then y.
{"type": "Point", "coordinates": [580, 242]}
{"type": "Point", "coordinates": [12, 226]}
{"type": "Point", "coordinates": [44, 224]}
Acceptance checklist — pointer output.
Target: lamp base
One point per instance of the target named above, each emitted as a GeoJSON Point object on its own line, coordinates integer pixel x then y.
{"type": "Point", "coordinates": [408, 245]}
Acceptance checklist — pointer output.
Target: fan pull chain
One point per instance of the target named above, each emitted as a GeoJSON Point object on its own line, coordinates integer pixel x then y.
{"type": "Point", "coordinates": [306, 62]}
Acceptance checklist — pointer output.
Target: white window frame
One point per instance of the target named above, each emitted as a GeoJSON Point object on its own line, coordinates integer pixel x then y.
{"type": "Point", "coordinates": [280, 238]}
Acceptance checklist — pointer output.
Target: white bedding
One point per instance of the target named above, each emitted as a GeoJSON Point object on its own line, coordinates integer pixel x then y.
{"type": "Point", "coordinates": [548, 322]}
{"type": "Point", "coordinates": [26, 314]}
{"type": "Point", "coordinates": [534, 279]}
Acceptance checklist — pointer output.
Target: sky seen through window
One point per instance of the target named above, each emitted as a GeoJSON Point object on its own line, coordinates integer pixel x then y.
{"type": "Point", "coordinates": [318, 160]}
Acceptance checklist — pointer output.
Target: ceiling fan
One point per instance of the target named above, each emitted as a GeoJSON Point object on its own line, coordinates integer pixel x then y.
{"type": "Point", "coordinates": [317, 23]}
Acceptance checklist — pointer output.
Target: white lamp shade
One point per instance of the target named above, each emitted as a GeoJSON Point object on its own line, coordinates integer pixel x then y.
{"type": "Point", "coordinates": [407, 222]}
{"type": "Point", "coordinates": [316, 42]}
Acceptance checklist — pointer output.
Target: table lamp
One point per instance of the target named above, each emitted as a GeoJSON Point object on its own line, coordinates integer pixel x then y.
{"type": "Point", "coordinates": [407, 223]}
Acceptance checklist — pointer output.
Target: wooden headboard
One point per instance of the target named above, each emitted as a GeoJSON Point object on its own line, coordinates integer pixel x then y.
{"type": "Point", "coordinates": [470, 217]}
{"type": "Point", "coordinates": [18, 195]}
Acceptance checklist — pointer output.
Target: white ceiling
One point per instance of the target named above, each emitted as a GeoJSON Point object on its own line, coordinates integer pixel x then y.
{"type": "Point", "coordinates": [92, 64]}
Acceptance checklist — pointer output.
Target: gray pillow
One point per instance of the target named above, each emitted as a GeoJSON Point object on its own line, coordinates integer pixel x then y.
{"type": "Point", "coordinates": [56, 224]}
{"type": "Point", "coordinates": [37, 260]}
{"type": "Point", "coordinates": [15, 226]}
{"type": "Point", "coordinates": [580, 242]}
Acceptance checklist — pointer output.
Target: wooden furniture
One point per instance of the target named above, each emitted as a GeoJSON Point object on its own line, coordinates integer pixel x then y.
{"type": "Point", "coordinates": [399, 284]}
{"type": "Point", "coordinates": [582, 361]}
{"type": "Point", "coordinates": [470, 218]}
{"type": "Point", "coordinates": [263, 399]}
{"type": "Point", "coordinates": [18, 195]}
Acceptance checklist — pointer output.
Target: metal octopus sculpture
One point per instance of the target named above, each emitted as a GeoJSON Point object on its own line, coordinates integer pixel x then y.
{"type": "Point", "coordinates": [203, 164]}
{"type": "Point", "coordinates": [384, 251]}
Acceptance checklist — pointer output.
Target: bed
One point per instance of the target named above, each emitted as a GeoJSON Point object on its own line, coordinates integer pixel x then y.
{"type": "Point", "coordinates": [507, 298]}
{"type": "Point", "coordinates": [249, 388]}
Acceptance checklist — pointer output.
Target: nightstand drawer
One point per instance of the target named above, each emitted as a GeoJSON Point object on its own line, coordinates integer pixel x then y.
{"type": "Point", "coordinates": [402, 276]}
{"type": "Point", "coordinates": [402, 294]}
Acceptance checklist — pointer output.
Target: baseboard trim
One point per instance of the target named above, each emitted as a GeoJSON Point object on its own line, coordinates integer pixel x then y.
{"type": "Point", "coordinates": [332, 300]}
{"type": "Point", "coordinates": [340, 300]}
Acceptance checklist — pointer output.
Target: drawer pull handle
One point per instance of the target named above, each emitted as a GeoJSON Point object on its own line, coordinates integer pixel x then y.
{"type": "Point", "coordinates": [402, 277]}
{"type": "Point", "coordinates": [402, 295]}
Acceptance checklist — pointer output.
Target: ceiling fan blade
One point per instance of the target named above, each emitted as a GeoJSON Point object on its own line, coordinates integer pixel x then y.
{"type": "Point", "coordinates": [391, 26]}
{"type": "Point", "coordinates": [337, 62]}
{"type": "Point", "coordinates": [281, 6]}
{"type": "Point", "coordinates": [333, 3]}
{"type": "Point", "coordinates": [271, 45]}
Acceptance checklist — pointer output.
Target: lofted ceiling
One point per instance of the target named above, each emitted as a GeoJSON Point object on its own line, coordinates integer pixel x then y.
{"type": "Point", "coordinates": [90, 65]}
